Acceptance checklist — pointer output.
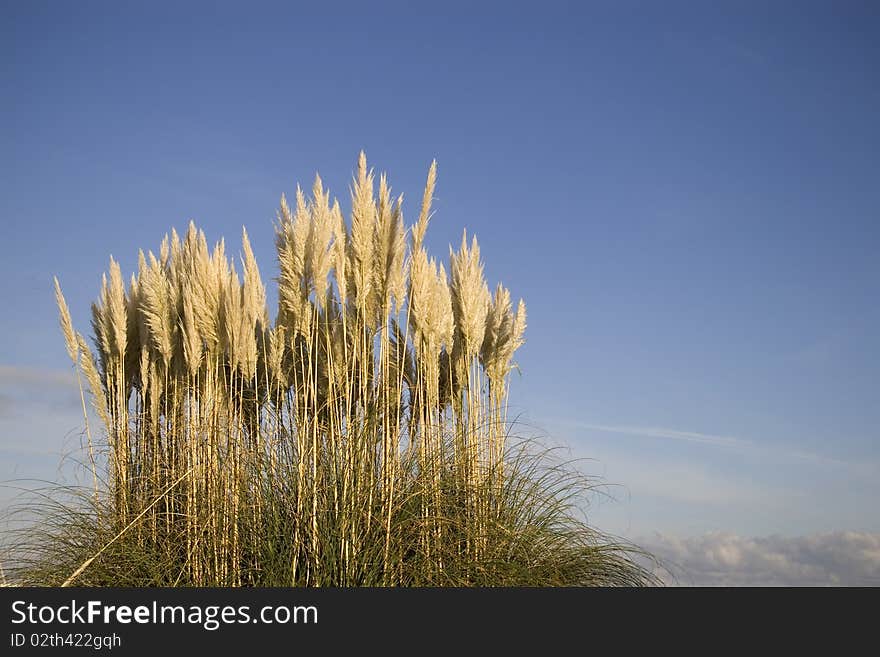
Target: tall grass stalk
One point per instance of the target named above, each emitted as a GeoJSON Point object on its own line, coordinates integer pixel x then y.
{"type": "Point", "coordinates": [360, 438]}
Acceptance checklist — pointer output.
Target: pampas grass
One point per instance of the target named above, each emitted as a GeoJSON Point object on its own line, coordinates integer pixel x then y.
{"type": "Point", "coordinates": [360, 438]}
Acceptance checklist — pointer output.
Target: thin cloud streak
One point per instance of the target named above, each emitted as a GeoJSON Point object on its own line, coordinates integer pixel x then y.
{"type": "Point", "coordinates": [13, 375]}
{"type": "Point", "coordinates": [674, 434]}
{"type": "Point", "coordinates": [728, 442]}
{"type": "Point", "coordinates": [27, 393]}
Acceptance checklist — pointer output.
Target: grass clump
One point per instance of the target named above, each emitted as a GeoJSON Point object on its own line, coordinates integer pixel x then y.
{"type": "Point", "coordinates": [360, 438]}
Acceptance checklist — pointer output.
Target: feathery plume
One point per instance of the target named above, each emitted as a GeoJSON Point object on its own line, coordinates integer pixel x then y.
{"type": "Point", "coordinates": [340, 244]}
{"type": "Point", "coordinates": [320, 237]}
{"type": "Point", "coordinates": [156, 309]}
{"type": "Point", "coordinates": [99, 396]}
{"type": "Point", "coordinates": [189, 330]}
{"type": "Point", "coordinates": [115, 304]}
{"type": "Point", "coordinates": [254, 290]}
{"type": "Point", "coordinates": [443, 318]}
{"type": "Point", "coordinates": [389, 248]}
{"type": "Point", "coordinates": [470, 297]}
{"type": "Point", "coordinates": [361, 242]}
{"type": "Point", "coordinates": [66, 324]}
{"type": "Point", "coordinates": [421, 226]}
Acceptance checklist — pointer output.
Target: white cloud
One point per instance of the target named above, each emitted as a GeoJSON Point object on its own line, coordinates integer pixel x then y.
{"type": "Point", "coordinates": [724, 559]}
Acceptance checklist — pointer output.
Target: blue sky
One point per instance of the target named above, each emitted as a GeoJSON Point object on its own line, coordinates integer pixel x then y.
{"type": "Point", "coordinates": [685, 194]}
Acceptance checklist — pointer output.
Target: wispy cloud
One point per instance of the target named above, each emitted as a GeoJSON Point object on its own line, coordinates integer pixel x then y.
{"type": "Point", "coordinates": [16, 375]}
{"type": "Point", "coordinates": [752, 489]}
{"type": "Point", "coordinates": [27, 392]}
{"type": "Point", "coordinates": [672, 434]}
{"type": "Point", "coordinates": [725, 559]}
{"type": "Point", "coordinates": [728, 442]}
{"type": "Point", "coordinates": [685, 482]}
